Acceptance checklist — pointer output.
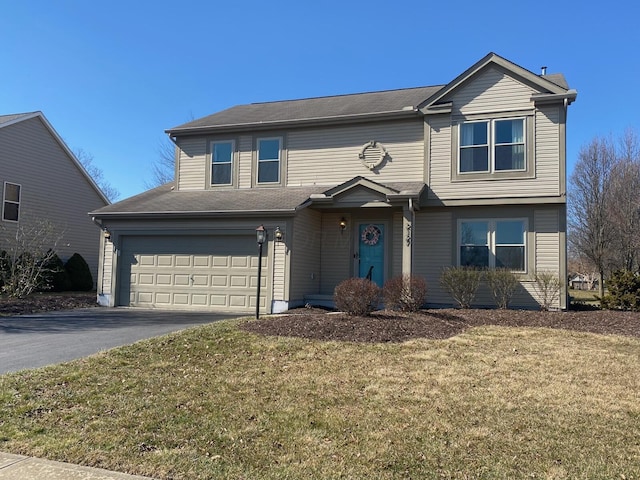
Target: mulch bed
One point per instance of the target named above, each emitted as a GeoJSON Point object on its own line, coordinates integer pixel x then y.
{"type": "Point", "coordinates": [387, 326]}
{"type": "Point", "coordinates": [46, 302]}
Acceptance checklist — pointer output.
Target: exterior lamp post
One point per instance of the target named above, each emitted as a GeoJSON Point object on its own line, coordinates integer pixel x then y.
{"type": "Point", "coordinates": [261, 236]}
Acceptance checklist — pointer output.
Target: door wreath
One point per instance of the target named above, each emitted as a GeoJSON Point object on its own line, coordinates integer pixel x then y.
{"type": "Point", "coordinates": [371, 235]}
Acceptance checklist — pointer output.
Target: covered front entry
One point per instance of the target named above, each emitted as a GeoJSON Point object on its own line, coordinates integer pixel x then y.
{"type": "Point", "coordinates": [213, 272]}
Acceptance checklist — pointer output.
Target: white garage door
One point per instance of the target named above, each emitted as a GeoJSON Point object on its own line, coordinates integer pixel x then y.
{"type": "Point", "coordinates": [196, 272]}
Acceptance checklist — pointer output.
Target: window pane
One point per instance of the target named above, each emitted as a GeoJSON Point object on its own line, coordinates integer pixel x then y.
{"type": "Point", "coordinates": [510, 157]}
{"type": "Point", "coordinates": [510, 257]}
{"type": "Point", "coordinates": [510, 131]}
{"type": "Point", "coordinates": [12, 192]}
{"type": "Point", "coordinates": [11, 211]}
{"type": "Point", "coordinates": [222, 152]}
{"type": "Point", "coordinates": [474, 159]}
{"type": "Point", "coordinates": [510, 232]}
{"type": "Point", "coordinates": [474, 256]}
{"type": "Point", "coordinates": [474, 233]}
{"type": "Point", "coordinates": [268, 172]}
{"type": "Point", "coordinates": [473, 133]}
{"type": "Point", "coordinates": [221, 174]}
{"type": "Point", "coordinates": [269, 149]}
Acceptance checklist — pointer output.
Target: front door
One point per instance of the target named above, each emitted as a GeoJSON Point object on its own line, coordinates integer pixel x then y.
{"type": "Point", "coordinates": [371, 252]}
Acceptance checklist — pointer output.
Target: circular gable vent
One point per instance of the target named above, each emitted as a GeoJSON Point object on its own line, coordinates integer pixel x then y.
{"type": "Point", "coordinates": [372, 154]}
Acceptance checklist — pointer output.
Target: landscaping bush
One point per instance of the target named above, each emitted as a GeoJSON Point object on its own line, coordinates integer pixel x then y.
{"type": "Point", "coordinates": [462, 284]}
{"type": "Point", "coordinates": [80, 278]}
{"type": "Point", "coordinates": [547, 286]}
{"type": "Point", "coordinates": [357, 296]}
{"type": "Point", "coordinates": [503, 284]}
{"type": "Point", "coordinates": [56, 277]}
{"type": "Point", "coordinates": [5, 267]}
{"type": "Point", "coordinates": [624, 291]}
{"type": "Point", "coordinates": [406, 293]}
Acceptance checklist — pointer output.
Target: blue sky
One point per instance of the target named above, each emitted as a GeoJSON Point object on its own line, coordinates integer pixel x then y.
{"type": "Point", "coordinates": [112, 76]}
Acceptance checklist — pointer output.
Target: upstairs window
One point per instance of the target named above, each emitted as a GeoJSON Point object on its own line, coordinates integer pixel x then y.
{"type": "Point", "coordinates": [11, 203]}
{"type": "Point", "coordinates": [222, 162]}
{"type": "Point", "coordinates": [492, 244]}
{"type": "Point", "coordinates": [492, 146]}
{"type": "Point", "coordinates": [269, 151]}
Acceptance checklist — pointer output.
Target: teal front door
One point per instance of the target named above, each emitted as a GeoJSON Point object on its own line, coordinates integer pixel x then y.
{"type": "Point", "coordinates": [371, 252]}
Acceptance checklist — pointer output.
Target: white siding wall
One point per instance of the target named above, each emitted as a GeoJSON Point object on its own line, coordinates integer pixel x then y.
{"type": "Point", "coordinates": [396, 255]}
{"type": "Point", "coordinates": [329, 156]}
{"type": "Point", "coordinates": [104, 285]}
{"type": "Point", "coordinates": [192, 163]}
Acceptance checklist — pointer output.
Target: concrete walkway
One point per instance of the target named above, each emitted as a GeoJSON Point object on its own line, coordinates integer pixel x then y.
{"type": "Point", "coordinates": [18, 467]}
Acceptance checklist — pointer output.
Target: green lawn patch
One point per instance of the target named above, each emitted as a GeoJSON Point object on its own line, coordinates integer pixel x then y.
{"type": "Point", "coordinates": [220, 402]}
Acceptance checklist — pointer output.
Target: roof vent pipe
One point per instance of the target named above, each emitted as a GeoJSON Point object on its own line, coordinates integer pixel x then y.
{"type": "Point", "coordinates": [544, 71]}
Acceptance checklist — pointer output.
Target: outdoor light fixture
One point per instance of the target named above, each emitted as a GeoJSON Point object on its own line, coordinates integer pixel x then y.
{"type": "Point", "coordinates": [278, 234]}
{"type": "Point", "coordinates": [261, 236]}
{"type": "Point", "coordinates": [343, 224]}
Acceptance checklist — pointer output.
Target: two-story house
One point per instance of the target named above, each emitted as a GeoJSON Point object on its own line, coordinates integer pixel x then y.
{"type": "Point", "coordinates": [374, 184]}
{"type": "Point", "coordinates": [44, 186]}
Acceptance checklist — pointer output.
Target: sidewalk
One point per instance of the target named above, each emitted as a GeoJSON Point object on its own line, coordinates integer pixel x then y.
{"type": "Point", "coordinates": [18, 467]}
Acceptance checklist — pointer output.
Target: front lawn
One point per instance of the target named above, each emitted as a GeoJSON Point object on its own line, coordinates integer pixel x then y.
{"type": "Point", "coordinates": [221, 402]}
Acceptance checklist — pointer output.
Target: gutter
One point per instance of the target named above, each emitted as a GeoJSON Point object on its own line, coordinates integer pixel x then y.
{"type": "Point", "coordinates": [301, 122]}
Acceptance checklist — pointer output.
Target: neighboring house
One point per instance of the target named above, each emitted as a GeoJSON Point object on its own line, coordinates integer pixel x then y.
{"type": "Point", "coordinates": [374, 184]}
{"type": "Point", "coordinates": [41, 180]}
{"type": "Point", "coordinates": [583, 282]}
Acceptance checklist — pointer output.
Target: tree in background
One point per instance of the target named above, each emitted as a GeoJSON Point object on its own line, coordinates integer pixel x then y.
{"type": "Point", "coordinates": [163, 170]}
{"type": "Point", "coordinates": [604, 205]}
{"type": "Point", "coordinates": [86, 159]}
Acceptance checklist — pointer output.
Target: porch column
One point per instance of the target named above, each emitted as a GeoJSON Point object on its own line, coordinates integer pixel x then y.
{"type": "Point", "coordinates": [407, 239]}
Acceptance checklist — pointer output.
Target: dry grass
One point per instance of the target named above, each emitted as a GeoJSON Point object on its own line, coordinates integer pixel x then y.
{"type": "Point", "coordinates": [218, 402]}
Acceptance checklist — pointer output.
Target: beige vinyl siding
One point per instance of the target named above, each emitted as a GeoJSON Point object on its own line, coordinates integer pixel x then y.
{"type": "Point", "coordinates": [305, 255]}
{"type": "Point", "coordinates": [491, 91]}
{"type": "Point", "coordinates": [245, 159]}
{"type": "Point", "coordinates": [104, 282]}
{"type": "Point", "coordinates": [53, 189]}
{"type": "Point", "coordinates": [433, 250]}
{"type": "Point", "coordinates": [396, 255]}
{"type": "Point", "coordinates": [329, 156]}
{"type": "Point", "coordinates": [279, 270]}
{"type": "Point", "coordinates": [335, 258]}
{"type": "Point", "coordinates": [547, 240]}
{"type": "Point", "coordinates": [192, 163]}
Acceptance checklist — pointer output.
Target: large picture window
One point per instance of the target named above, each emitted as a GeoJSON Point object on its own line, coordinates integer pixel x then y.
{"type": "Point", "coordinates": [492, 146]}
{"type": "Point", "coordinates": [221, 163]}
{"type": "Point", "coordinates": [11, 203]}
{"type": "Point", "coordinates": [493, 244]}
{"type": "Point", "coordinates": [269, 150]}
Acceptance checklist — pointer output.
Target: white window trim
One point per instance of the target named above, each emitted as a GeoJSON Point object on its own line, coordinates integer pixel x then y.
{"type": "Point", "coordinates": [492, 239]}
{"type": "Point", "coordinates": [258, 161]}
{"type": "Point", "coordinates": [492, 146]}
{"type": "Point", "coordinates": [232, 162]}
{"type": "Point", "coordinates": [5, 201]}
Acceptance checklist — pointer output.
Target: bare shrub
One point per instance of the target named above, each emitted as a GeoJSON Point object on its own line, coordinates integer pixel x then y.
{"type": "Point", "coordinates": [28, 259]}
{"type": "Point", "coordinates": [503, 284]}
{"type": "Point", "coordinates": [406, 293]}
{"type": "Point", "coordinates": [462, 284]}
{"type": "Point", "coordinates": [357, 296]}
{"type": "Point", "coordinates": [547, 286]}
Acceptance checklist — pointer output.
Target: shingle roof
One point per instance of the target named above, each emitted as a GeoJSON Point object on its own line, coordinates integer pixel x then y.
{"type": "Point", "coordinates": [12, 117]}
{"type": "Point", "coordinates": [335, 107]}
{"type": "Point", "coordinates": [165, 200]}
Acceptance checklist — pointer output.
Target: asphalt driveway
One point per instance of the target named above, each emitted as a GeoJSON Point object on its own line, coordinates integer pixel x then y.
{"type": "Point", "coordinates": [31, 341]}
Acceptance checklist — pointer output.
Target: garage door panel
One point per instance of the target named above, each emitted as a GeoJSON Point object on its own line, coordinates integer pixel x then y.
{"type": "Point", "coordinates": [161, 272]}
